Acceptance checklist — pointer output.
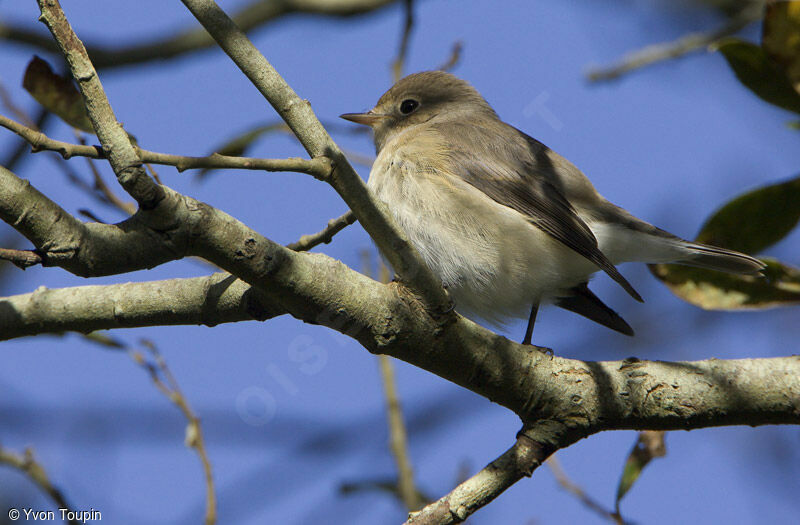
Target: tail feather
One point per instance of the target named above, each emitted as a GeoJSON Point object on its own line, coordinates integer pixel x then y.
{"type": "Point", "coordinates": [584, 302]}
{"type": "Point", "coordinates": [720, 259]}
{"type": "Point", "coordinates": [623, 237]}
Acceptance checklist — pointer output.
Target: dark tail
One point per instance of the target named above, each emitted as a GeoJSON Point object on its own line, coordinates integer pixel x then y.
{"type": "Point", "coordinates": [583, 302]}
{"type": "Point", "coordinates": [720, 259]}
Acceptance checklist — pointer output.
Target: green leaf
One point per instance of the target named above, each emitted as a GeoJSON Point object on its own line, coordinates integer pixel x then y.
{"type": "Point", "coordinates": [712, 290]}
{"type": "Point", "coordinates": [749, 223]}
{"type": "Point", "coordinates": [755, 220]}
{"type": "Point", "coordinates": [754, 69]}
{"type": "Point", "coordinates": [649, 445]}
{"type": "Point", "coordinates": [56, 94]}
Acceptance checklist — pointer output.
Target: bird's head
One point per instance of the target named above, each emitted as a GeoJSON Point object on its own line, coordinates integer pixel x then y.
{"type": "Point", "coordinates": [420, 98]}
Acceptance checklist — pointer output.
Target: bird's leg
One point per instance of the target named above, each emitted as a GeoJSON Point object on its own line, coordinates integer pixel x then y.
{"type": "Point", "coordinates": [531, 322]}
{"type": "Point", "coordinates": [529, 332]}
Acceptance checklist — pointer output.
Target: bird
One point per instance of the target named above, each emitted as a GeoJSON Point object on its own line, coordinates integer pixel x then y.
{"type": "Point", "coordinates": [505, 222]}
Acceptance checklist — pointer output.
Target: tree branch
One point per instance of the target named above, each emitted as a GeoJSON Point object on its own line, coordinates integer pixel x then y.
{"type": "Point", "coordinates": [319, 168]}
{"type": "Point", "coordinates": [517, 462]}
{"type": "Point", "coordinates": [21, 258]}
{"type": "Point", "coordinates": [209, 301]}
{"type": "Point", "coordinates": [116, 143]}
{"type": "Point", "coordinates": [194, 431]}
{"type": "Point", "coordinates": [100, 189]}
{"type": "Point", "coordinates": [388, 319]}
{"type": "Point", "coordinates": [254, 15]}
{"type": "Point", "coordinates": [19, 152]}
{"type": "Point", "coordinates": [306, 242]}
{"type": "Point", "coordinates": [399, 62]}
{"type": "Point", "coordinates": [559, 400]}
{"type": "Point", "coordinates": [563, 400]}
{"type": "Point", "coordinates": [28, 465]}
{"type": "Point", "coordinates": [145, 240]}
{"type": "Point", "coordinates": [398, 438]}
{"type": "Point", "coordinates": [454, 58]}
{"type": "Point", "coordinates": [684, 45]}
{"type": "Point", "coordinates": [576, 490]}
{"type": "Point", "coordinates": [312, 135]}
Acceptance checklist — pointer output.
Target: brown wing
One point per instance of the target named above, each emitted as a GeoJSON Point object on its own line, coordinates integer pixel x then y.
{"type": "Point", "coordinates": [514, 174]}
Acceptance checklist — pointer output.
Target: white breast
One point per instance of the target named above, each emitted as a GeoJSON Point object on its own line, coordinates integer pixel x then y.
{"type": "Point", "coordinates": [494, 263]}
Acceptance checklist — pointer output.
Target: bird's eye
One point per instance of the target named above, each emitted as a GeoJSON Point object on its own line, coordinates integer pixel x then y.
{"type": "Point", "coordinates": [408, 106]}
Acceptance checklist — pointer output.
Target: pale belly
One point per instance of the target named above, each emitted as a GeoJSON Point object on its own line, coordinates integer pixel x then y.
{"type": "Point", "coordinates": [494, 263]}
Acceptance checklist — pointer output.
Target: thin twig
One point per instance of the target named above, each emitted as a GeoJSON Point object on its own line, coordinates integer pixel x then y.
{"type": "Point", "coordinates": [383, 485]}
{"type": "Point", "coordinates": [100, 186]}
{"type": "Point", "coordinates": [454, 58]}
{"type": "Point", "coordinates": [404, 486]}
{"type": "Point", "coordinates": [97, 190]}
{"type": "Point", "coordinates": [153, 172]}
{"type": "Point", "coordinates": [306, 242]}
{"type": "Point", "coordinates": [398, 437]}
{"type": "Point", "coordinates": [402, 51]}
{"type": "Point", "coordinates": [568, 485]}
{"type": "Point", "coordinates": [89, 214]}
{"type": "Point", "coordinates": [18, 112]}
{"type": "Point", "coordinates": [252, 15]}
{"type": "Point", "coordinates": [28, 465]}
{"type": "Point", "coordinates": [194, 434]}
{"type": "Point", "coordinates": [20, 258]}
{"type": "Point", "coordinates": [319, 167]}
{"type": "Point", "coordinates": [359, 158]}
{"type": "Point", "coordinates": [75, 179]}
{"type": "Point", "coordinates": [21, 149]}
{"type": "Point", "coordinates": [682, 46]}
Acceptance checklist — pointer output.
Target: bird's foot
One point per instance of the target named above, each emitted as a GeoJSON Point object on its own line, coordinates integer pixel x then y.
{"type": "Point", "coordinates": [542, 349]}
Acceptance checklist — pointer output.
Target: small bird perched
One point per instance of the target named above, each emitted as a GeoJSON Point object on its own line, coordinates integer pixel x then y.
{"type": "Point", "coordinates": [505, 222]}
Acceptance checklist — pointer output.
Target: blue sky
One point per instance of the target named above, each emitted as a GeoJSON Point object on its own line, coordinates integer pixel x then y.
{"type": "Point", "coordinates": [670, 143]}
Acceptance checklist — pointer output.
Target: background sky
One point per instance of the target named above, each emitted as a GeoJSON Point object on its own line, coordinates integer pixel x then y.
{"type": "Point", "coordinates": [670, 143]}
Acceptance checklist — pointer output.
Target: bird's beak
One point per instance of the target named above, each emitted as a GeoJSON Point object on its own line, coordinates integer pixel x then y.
{"type": "Point", "coordinates": [368, 119]}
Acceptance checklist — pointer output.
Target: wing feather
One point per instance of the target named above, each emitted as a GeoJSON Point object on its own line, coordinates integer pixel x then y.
{"type": "Point", "coordinates": [517, 174]}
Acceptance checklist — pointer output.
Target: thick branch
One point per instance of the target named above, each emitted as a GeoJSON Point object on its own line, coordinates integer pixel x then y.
{"type": "Point", "coordinates": [569, 399]}
{"type": "Point", "coordinates": [301, 119]}
{"type": "Point", "coordinates": [116, 143]}
{"type": "Point", "coordinates": [208, 301]}
{"type": "Point", "coordinates": [319, 168]}
{"type": "Point", "coordinates": [388, 319]}
{"type": "Point", "coordinates": [317, 289]}
{"type": "Point", "coordinates": [256, 14]}
{"type": "Point", "coordinates": [517, 462]}
{"type": "Point", "coordinates": [143, 241]}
